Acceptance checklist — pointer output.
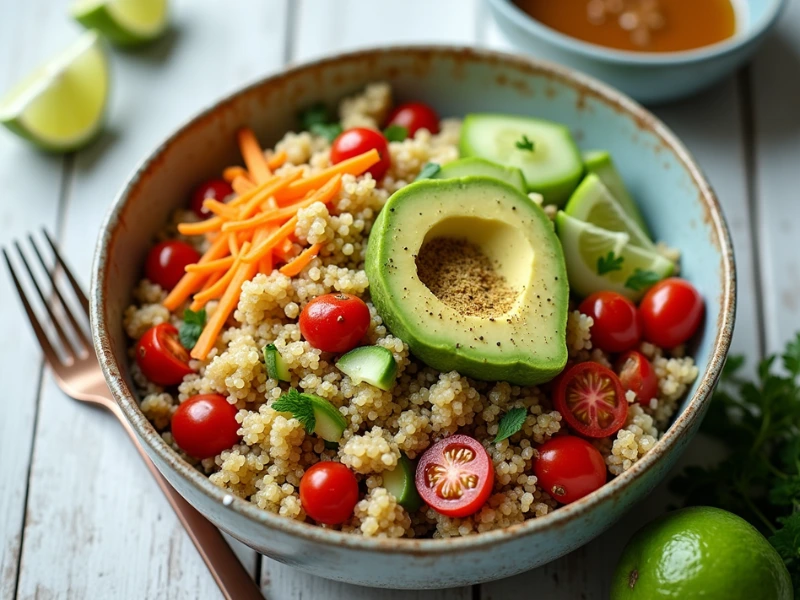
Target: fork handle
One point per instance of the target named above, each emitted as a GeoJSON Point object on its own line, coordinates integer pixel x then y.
{"type": "Point", "coordinates": [233, 580]}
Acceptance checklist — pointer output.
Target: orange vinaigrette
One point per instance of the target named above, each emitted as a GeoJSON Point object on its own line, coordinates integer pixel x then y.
{"type": "Point", "coordinates": [638, 25]}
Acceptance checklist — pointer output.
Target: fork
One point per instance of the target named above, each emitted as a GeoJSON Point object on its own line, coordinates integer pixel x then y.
{"type": "Point", "coordinates": [78, 374]}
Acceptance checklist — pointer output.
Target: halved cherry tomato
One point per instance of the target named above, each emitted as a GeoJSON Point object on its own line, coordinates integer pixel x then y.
{"type": "Point", "coordinates": [591, 400]}
{"type": "Point", "coordinates": [414, 116]}
{"type": "Point", "coordinates": [358, 140]}
{"type": "Point", "coordinates": [636, 374]}
{"type": "Point", "coordinates": [617, 325]}
{"type": "Point", "coordinates": [216, 189]}
{"type": "Point", "coordinates": [569, 468]}
{"type": "Point", "coordinates": [161, 357]}
{"type": "Point", "coordinates": [205, 425]}
{"type": "Point", "coordinates": [672, 310]}
{"type": "Point", "coordinates": [166, 262]}
{"type": "Point", "coordinates": [455, 476]}
{"type": "Point", "coordinates": [329, 492]}
{"type": "Point", "coordinates": [334, 322]}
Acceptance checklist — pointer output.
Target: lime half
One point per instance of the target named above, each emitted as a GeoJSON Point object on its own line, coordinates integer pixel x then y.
{"type": "Point", "coordinates": [598, 259]}
{"type": "Point", "coordinates": [124, 22]}
{"type": "Point", "coordinates": [61, 105]}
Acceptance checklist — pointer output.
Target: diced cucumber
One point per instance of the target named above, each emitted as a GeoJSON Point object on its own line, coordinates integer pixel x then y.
{"type": "Point", "coordinates": [373, 364]}
{"type": "Point", "coordinates": [276, 366]}
{"type": "Point", "coordinates": [544, 151]}
{"type": "Point", "coordinates": [601, 164]}
{"type": "Point", "coordinates": [592, 202]}
{"type": "Point", "coordinates": [474, 165]}
{"type": "Point", "coordinates": [330, 424]}
{"type": "Point", "coordinates": [400, 483]}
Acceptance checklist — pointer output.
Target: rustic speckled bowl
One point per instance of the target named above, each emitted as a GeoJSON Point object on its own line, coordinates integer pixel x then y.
{"type": "Point", "coordinates": [675, 198]}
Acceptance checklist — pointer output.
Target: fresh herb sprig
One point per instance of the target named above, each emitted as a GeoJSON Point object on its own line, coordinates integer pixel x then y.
{"type": "Point", "coordinates": [642, 279]}
{"type": "Point", "coordinates": [525, 144]}
{"type": "Point", "coordinates": [193, 323]}
{"type": "Point", "coordinates": [429, 170]}
{"type": "Point", "coordinates": [608, 263]}
{"type": "Point", "coordinates": [316, 119]}
{"type": "Point", "coordinates": [395, 133]}
{"type": "Point", "coordinates": [511, 423]}
{"type": "Point", "coordinates": [300, 406]}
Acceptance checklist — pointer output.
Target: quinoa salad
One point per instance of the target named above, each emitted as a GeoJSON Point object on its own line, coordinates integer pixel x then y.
{"type": "Point", "coordinates": [368, 401]}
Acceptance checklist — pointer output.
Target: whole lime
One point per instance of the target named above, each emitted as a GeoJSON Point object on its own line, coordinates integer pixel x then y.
{"type": "Point", "coordinates": [700, 552]}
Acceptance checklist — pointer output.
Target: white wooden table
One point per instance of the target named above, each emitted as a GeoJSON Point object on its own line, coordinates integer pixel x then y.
{"type": "Point", "coordinates": [79, 515]}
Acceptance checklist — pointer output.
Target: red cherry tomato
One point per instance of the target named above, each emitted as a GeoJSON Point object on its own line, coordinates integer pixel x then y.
{"type": "Point", "coordinates": [329, 492]}
{"type": "Point", "coordinates": [672, 310]}
{"type": "Point", "coordinates": [455, 476]}
{"type": "Point", "coordinates": [205, 425]}
{"type": "Point", "coordinates": [334, 322]}
{"type": "Point", "coordinates": [637, 375]}
{"type": "Point", "coordinates": [166, 262]}
{"type": "Point", "coordinates": [358, 140]}
{"type": "Point", "coordinates": [617, 325]}
{"type": "Point", "coordinates": [591, 400]}
{"type": "Point", "coordinates": [216, 189]}
{"type": "Point", "coordinates": [161, 357]}
{"type": "Point", "coordinates": [569, 468]}
{"type": "Point", "coordinates": [414, 116]}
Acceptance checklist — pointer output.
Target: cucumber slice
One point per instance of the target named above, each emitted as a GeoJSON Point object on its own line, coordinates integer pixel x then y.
{"type": "Point", "coordinates": [474, 165]}
{"type": "Point", "coordinates": [276, 366]}
{"type": "Point", "coordinates": [601, 164]}
{"type": "Point", "coordinates": [552, 167]}
{"type": "Point", "coordinates": [585, 244]}
{"type": "Point", "coordinates": [330, 424]}
{"type": "Point", "coordinates": [400, 483]}
{"type": "Point", "coordinates": [593, 203]}
{"type": "Point", "coordinates": [373, 364]}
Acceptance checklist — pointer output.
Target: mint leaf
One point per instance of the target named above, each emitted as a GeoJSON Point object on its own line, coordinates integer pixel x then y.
{"type": "Point", "coordinates": [193, 323]}
{"type": "Point", "coordinates": [299, 406]}
{"type": "Point", "coordinates": [511, 423]}
{"type": "Point", "coordinates": [330, 131]}
{"type": "Point", "coordinates": [525, 144]}
{"type": "Point", "coordinates": [642, 279]}
{"type": "Point", "coordinates": [608, 263]}
{"type": "Point", "coordinates": [395, 133]}
{"type": "Point", "coordinates": [316, 114]}
{"type": "Point", "coordinates": [429, 170]}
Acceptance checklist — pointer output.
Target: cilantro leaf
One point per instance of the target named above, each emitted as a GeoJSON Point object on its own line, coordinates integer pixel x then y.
{"type": "Point", "coordinates": [511, 423]}
{"type": "Point", "coordinates": [395, 133]}
{"type": "Point", "coordinates": [642, 279]}
{"type": "Point", "coordinates": [429, 170]}
{"type": "Point", "coordinates": [525, 144]}
{"type": "Point", "coordinates": [193, 323]}
{"type": "Point", "coordinates": [300, 406]}
{"type": "Point", "coordinates": [608, 263]}
{"type": "Point", "coordinates": [316, 114]}
{"type": "Point", "coordinates": [330, 131]}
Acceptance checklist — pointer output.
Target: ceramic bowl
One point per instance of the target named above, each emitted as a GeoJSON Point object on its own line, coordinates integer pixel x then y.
{"type": "Point", "coordinates": [651, 78]}
{"type": "Point", "coordinates": [675, 198]}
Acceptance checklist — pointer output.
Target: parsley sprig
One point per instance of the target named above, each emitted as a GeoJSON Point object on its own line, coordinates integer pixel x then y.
{"type": "Point", "coordinates": [300, 406]}
{"type": "Point", "coordinates": [526, 144]}
{"type": "Point", "coordinates": [429, 170]}
{"type": "Point", "coordinates": [608, 263]}
{"type": "Point", "coordinates": [316, 119]}
{"type": "Point", "coordinates": [395, 133]}
{"type": "Point", "coordinates": [642, 279]}
{"type": "Point", "coordinates": [511, 423]}
{"type": "Point", "coordinates": [193, 323]}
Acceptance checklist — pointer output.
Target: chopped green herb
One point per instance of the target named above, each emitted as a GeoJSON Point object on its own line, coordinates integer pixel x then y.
{"type": "Point", "coordinates": [642, 279]}
{"type": "Point", "coordinates": [606, 264]}
{"type": "Point", "coordinates": [300, 406]}
{"type": "Point", "coordinates": [193, 323]}
{"type": "Point", "coordinates": [330, 131]}
{"type": "Point", "coordinates": [316, 114]}
{"type": "Point", "coordinates": [429, 170]}
{"type": "Point", "coordinates": [525, 144]}
{"type": "Point", "coordinates": [511, 423]}
{"type": "Point", "coordinates": [396, 133]}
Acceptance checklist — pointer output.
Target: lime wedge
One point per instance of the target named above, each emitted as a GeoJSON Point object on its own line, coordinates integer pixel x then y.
{"type": "Point", "coordinates": [61, 105]}
{"type": "Point", "coordinates": [124, 22]}
{"type": "Point", "coordinates": [598, 259]}
{"type": "Point", "coordinates": [593, 202]}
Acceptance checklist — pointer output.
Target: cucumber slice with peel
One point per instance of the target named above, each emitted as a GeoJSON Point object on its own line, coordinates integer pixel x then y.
{"type": "Point", "coordinates": [601, 164]}
{"type": "Point", "coordinates": [400, 483]}
{"type": "Point", "coordinates": [317, 415]}
{"type": "Point", "coordinates": [276, 366]}
{"type": "Point", "coordinates": [474, 165]}
{"type": "Point", "coordinates": [373, 364]}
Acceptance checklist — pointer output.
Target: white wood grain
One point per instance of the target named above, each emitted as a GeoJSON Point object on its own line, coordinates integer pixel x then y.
{"type": "Point", "coordinates": [97, 526]}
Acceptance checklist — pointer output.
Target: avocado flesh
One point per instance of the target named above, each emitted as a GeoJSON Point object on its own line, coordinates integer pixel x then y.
{"type": "Point", "coordinates": [474, 165]}
{"type": "Point", "coordinates": [524, 345]}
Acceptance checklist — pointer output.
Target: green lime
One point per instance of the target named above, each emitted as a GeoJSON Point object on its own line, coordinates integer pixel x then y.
{"type": "Point", "coordinates": [598, 259]}
{"type": "Point", "coordinates": [124, 22]}
{"type": "Point", "coordinates": [700, 553]}
{"type": "Point", "coordinates": [61, 105]}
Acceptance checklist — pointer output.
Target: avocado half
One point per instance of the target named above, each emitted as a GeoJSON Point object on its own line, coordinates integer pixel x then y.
{"type": "Point", "coordinates": [524, 342]}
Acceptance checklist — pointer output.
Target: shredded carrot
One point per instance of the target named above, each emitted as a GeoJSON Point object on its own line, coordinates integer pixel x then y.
{"type": "Point", "coordinates": [277, 184]}
{"type": "Point", "coordinates": [265, 265]}
{"type": "Point", "coordinates": [213, 266]}
{"type": "Point", "coordinates": [231, 173]}
{"type": "Point", "coordinates": [301, 262]}
{"type": "Point", "coordinates": [285, 250]}
{"type": "Point", "coordinates": [207, 226]}
{"type": "Point", "coordinates": [265, 247]}
{"type": "Point", "coordinates": [242, 185]}
{"type": "Point", "coordinates": [353, 166]}
{"type": "Point", "coordinates": [253, 155]}
{"type": "Point", "coordinates": [233, 245]}
{"type": "Point", "coordinates": [277, 159]}
{"type": "Point", "coordinates": [191, 282]}
{"type": "Point", "coordinates": [220, 208]}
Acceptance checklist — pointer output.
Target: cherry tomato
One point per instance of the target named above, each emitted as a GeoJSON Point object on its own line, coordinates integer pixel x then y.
{"type": "Point", "coordinates": [161, 357]}
{"type": "Point", "coordinates": [591, 400]}
{"type": "Point", "coordinates": [637, 375]}
{"type": "Point", "coordinates": [414, 116]}
{"type": "Point", "coordinates": [217, 189]}
{"type": "Point", "coordinates": [166, 262]}
{"type": "Point", "coordinates": [205, 425]}
{"type": "Point", "coordinates": [568, 468]}
{"type": "Point", "coordinates": [617, 324]}
{"type": "Point", "coordinates": [358, 140]}
{"type": "Point", "coordinates": [672, 310]}
{"type": "Point", "coordinates": [334, 322]}
{"type": "Point", "coordinates": [455, 476]}
{"type": "Point", "coordinates": [329, 492]}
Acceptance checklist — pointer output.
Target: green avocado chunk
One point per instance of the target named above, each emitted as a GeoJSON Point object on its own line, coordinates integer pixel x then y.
{"type": "Point", "coordinates": [601, 164]}
{"type": "Point", "coordinates": [470, 274]}
{"type": "Point", "coordinates": [473, 165]}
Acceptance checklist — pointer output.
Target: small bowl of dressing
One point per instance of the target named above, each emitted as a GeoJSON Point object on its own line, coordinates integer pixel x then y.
{"type": "Point", "coordinates": [653, 50]}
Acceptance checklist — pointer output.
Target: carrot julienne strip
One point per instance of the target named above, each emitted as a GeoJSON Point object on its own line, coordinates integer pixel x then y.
{"type": "Point", "coordinates": [242, 185]}
{"type": "Point", "coordinates": [249, 208]}
{"type": "Point", "coordinates": [277, 160]}
{"type": "Point", "coordinates": [191, 282]}
{"type": "Point", "coordinates": [220, 208]}
{"type": "Point", "coordinates": [207, 226]}
{"type": "Point", "coordinates": [211, 267]}
{"type": "Point", "coordinates": [353, 166]}
{"type": "Point", "coordinates": [231, 173]}
{"type": "Point", "coordinates": [253, 155]}
{"type": "Point", "coordinates": [265, 247]}
{"type": "Point", "coordinates": [302, 261]}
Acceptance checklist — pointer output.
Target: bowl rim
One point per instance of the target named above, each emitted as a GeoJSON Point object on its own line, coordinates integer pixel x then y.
{"type": "Point", "coordinates": [200, 483]}
{"type": "Point", "coordinates": [512, 12]}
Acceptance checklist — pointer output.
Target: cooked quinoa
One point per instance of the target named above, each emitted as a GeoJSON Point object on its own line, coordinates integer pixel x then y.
{"type": "Point", "coordinates": [423, 406]}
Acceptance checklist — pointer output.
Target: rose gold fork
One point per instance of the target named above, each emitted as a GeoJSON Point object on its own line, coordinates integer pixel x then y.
{"type": "Point", "coordinates": [78, 374]}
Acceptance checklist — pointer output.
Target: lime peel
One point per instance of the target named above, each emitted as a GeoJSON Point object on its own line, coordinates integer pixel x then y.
{"type": "Point", "coordinates": [124, 22]}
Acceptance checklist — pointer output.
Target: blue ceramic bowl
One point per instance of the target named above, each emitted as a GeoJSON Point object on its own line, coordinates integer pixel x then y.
{"type": "Point", "coordinates": [675, 198]}
{"type": "Point", "coordinates": [651, 78]}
